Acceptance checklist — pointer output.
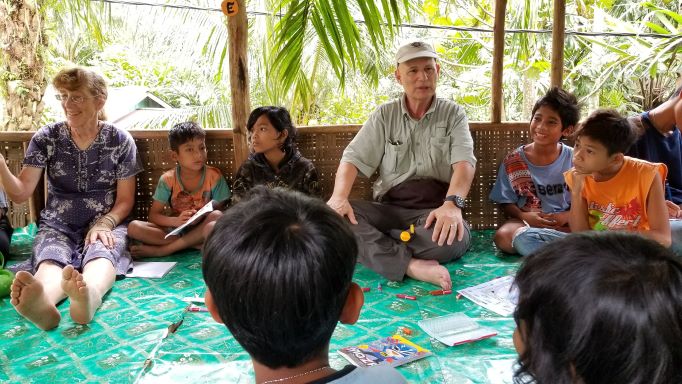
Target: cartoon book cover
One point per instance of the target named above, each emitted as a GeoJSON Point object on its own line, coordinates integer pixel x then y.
{"type": "Point", "coordinates": [394, 350]}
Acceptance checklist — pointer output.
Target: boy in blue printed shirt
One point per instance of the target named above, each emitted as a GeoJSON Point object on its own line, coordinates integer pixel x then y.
{"type": "Point", "coordinates": [530, 185]}
{"type": "Point", "coordinates": [181, 192]}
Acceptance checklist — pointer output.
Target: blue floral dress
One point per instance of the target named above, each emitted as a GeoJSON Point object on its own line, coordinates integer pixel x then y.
{"type": "Point", "coordinates": [81, 187]}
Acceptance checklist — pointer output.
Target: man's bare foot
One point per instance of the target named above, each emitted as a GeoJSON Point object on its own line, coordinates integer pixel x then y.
{"type": "Point", "coordinates": [430, 271]}
{"type": "Point", "coordinates": [29, 299]}
{"type": "Point", "coordinates": [144, 250]}
{"type": "Point", "coordinates": [84, 301]}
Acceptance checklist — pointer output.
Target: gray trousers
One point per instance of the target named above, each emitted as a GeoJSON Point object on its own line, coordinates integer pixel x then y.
{"type": "Point", "coordinates": [388, 256]}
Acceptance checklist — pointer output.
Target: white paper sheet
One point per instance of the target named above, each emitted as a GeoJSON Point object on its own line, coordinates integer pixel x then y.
{"type": "Point", "coordinates": [496, 295]}
{"type": "Point", "coordinates": [151, 269]}
{"type": "Point", "coordinates": [455, 329]}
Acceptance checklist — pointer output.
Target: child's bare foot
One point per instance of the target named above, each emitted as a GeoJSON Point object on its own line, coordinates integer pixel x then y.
{"type": "Point", "coordinates": [144, 250]}
{"type": "Point", "coordinates": [84, 301]}
{"type": "Point", "coordinates": [430, 271]}
{"type": "Point", "coordinates": [29, 299]}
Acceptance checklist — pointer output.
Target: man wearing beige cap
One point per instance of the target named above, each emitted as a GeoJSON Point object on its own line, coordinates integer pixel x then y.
{"type": "Point", "coordinates": [423, 150]}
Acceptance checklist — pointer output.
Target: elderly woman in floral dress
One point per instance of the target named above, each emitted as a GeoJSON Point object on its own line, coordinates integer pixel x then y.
{"type": "Point", "coordinates": [90, 165]}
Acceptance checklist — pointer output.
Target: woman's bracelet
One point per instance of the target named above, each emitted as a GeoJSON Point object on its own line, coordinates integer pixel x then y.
{"type": "Point", "coordinates": [106, 221]}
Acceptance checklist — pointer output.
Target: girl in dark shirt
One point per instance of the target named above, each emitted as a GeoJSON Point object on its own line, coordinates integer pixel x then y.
{"type": "Point", "coordinates": [275, 160]}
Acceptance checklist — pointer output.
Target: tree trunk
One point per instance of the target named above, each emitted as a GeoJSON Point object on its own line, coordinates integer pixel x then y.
{"type": "Point", "coordinates": [22, 73]}
{"type": "Point", "coordinates": [238, 32]}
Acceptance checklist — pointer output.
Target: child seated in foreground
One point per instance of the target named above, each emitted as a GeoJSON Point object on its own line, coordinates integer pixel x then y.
{"type": "Point", "coordinates": [182, 190]}
{"type": "Point", "coordinates": [598, 308]}
{"type": "Point", "coordinates": [275, 161]}
{"type": "Point", "coordinates": [530, 185]}
{"type": "Point", "coordinates": [609, 191]}
{"type": "Point", "coordinates": [278, 267]}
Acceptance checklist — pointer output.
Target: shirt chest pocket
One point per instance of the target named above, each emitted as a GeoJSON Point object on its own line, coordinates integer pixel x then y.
{"type": "Point", "coordinates": [440, 149]}
{"type": "Point", "coordinates": [396, 157]}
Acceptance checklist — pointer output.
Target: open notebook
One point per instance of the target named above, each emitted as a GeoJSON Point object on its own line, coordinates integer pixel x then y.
{"type": "Point", "coordinates": [150, 269]}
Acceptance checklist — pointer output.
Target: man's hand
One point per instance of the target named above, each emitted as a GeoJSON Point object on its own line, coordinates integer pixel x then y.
{"type": "Point", "coordinates": [674, 210]}
{"type": "Point", "coordinates": [342, 207]}
{"type": "Point", "coordinates": [449, 223]}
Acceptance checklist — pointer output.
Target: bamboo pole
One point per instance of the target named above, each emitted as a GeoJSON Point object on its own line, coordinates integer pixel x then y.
{"type": "Point", "coordinates": [498, 61]}
{"type": "Point", "coordinates": [558, 37]}
{"type": "Point", "coordinates": [237, 29]}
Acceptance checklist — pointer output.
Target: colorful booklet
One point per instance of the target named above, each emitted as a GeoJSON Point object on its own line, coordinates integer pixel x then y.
{"type": "Point", "coordinates": [395, 350]}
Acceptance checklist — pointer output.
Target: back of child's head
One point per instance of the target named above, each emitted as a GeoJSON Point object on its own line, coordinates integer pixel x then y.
{"type": "Point", "coordinates": [601, 308]}
{"type": "Point", "coordinates": [565, 104]}
{"type": "Point", "coordinates": [184, 132]}
{"type": "Point", "coordinates": [280, 119]}
{"type": "Point", "coordinates": [279, 267]}
{"type": "Point", "coordinates": [610, 129]}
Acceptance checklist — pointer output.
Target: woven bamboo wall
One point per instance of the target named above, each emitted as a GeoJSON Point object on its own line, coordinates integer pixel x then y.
{"type": "Point", "coordinates": [322, 145]}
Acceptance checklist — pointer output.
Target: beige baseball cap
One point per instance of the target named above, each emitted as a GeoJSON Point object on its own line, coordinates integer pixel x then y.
{"type": "Point", "coordinates": [413, 50]}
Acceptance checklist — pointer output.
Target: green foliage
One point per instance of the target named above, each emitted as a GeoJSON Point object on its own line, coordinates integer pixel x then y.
{"type": "Point", "coordinates": [330, 24]}
{"type": "Point", "coordinates": [326, 68]}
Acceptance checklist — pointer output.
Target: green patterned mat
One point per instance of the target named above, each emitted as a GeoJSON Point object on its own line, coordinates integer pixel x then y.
{"type": "Point", "coordinates": [129, 330]}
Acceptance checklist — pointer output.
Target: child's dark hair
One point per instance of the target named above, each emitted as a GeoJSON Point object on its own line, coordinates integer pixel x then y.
{"type": "Point", "coordinates": [184, 132]}
{"type": "Point", "coordinates": [565, 104]}
{"type": "Point", "coordinates": [601, 308]}
{"type": "Point", "coordinates": [280, 119]}
{"type": "Point", "coordinates": [610, 129]}
{"type": "Point", "coordinates": [279, 267]}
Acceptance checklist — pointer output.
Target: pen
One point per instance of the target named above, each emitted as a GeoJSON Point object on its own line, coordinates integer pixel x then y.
{"type": "Point", "coordinates": [440, 292]}
{"type": "Point", "coordinates": [406, 297]}
{"type": "Point", "coordinates": [365, 289]}
{"type": "Point", "coordinates": [379, 287]}
{"type": "Point", "coordinates": [197, 309]}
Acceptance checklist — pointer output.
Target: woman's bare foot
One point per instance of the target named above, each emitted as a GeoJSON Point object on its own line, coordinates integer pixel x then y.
{"type": "Point", "coordinates": [29, 299]}
{"type": "Point", "coordinates": [144, 250]}
{"type": "Point", "coordinates": [430, 271]}
{"type": "Point", "coordinates": [84, 301]}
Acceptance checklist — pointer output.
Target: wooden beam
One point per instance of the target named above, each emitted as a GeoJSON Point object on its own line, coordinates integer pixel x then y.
{"type": "Point", "coordinates": [558, 37]}
{"type": "Point", "coordinates": [238, 31]}
{"type": "Point", "coordinates": [498, 61]}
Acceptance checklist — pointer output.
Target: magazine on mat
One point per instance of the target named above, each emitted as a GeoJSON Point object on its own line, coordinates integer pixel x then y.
{"type": "Point", "coordinates": [395, 350]}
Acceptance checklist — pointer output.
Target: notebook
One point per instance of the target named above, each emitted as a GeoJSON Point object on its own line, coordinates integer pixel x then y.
{"type": "Point", "coordinates": [455, 329]}
{"type": "Point", "coordinates": [150, 269]}
{"type": "Point", "coordinates": [208, 208]}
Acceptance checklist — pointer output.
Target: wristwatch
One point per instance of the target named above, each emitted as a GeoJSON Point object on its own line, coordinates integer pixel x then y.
{"type": "Point", "coordinates": [458, 200]}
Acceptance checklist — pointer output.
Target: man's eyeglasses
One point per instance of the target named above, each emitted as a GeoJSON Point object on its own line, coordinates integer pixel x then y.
{"type": "Point", "coordinates": [74, 99]}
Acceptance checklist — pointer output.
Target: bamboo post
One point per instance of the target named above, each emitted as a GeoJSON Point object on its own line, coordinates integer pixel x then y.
{"type": "Point", "coordinates": [498, 61]}
{"type": "Point", "coordinates": [558, 37]}
{"type": "Point", "coordinates": [237, 30]}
